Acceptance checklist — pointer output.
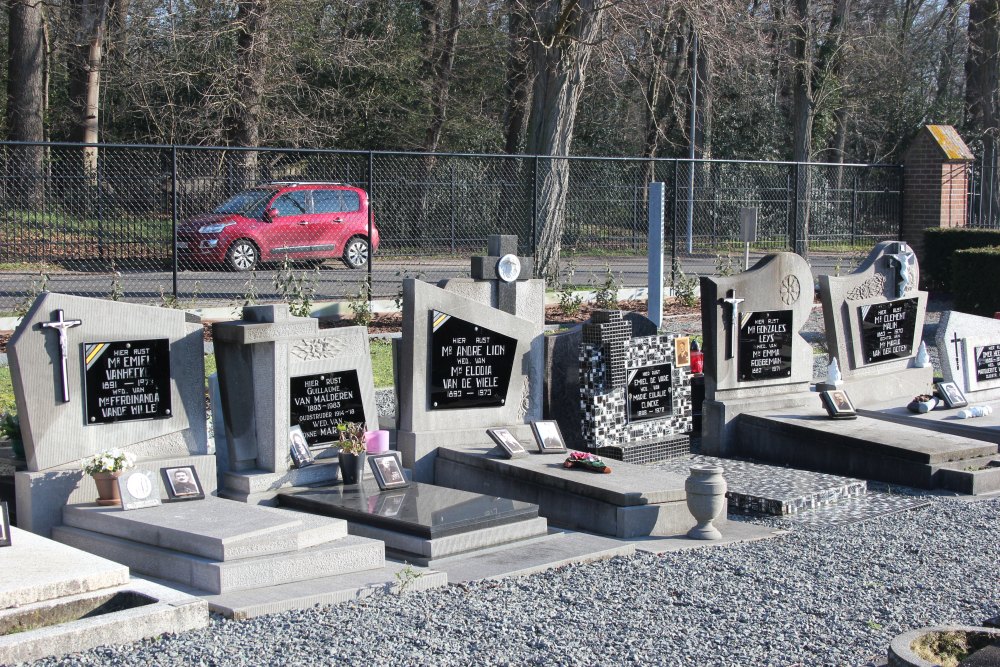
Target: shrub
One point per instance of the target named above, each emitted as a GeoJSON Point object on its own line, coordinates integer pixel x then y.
{"type": "Point", "coordinates": [975, 275]}
{"type": "Point", "coordinates": [939, 247]}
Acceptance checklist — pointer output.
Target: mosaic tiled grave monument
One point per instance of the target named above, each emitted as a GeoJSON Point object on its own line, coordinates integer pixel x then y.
{"type": "Point", "coordinates": [92, 374]}
{"type": "Point", "coordinates": [755, 358]}
{"type": "Point", "coordinates": [470, 357]}
{"type": "Point", "coordinates": [635, 391]}
{"type": "Point", "coordinates": [56, 600]}
{"type": "Point", "coordinates": [874, 322]}
{"type": "Point", "coordinates": [277, 371]}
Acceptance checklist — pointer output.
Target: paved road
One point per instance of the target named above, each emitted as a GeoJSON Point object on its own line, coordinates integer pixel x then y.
{"type": "Point", "coordinates": [334, 282]}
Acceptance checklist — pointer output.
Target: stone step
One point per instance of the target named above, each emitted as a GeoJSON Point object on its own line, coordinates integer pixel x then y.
{"type": "Point", "coordinates": [212, 528]}
{"type": "Point", "coordinates": [771, 489]}
{"type": "Point", "coordinates": [348, 554]}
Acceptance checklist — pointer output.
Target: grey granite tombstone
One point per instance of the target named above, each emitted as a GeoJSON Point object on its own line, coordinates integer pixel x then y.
{"type": "Point", "coordinates": [874, 319]}
{"type": "Point", "coordinates": [92, 374]}
{"type": "Point", "coordinates": [465, 365]}
{"type": "Point", "coordinates": [969, 352]}
{"type": "Point", "coordinates": [755, 357]}
{"type": "Point", "coordinates": [277, 371]}
{"type": "Point", "coordinates": [635, 391]}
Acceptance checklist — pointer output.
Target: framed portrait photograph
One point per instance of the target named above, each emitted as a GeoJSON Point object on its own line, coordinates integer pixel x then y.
{"type": "Point", "coordinates": [138, 489]}
{"type": "Point", "coordinates": [182, 483]}
{"type": "Point", "coordinates": [682, 351]}
{"type": "Point", "coordinates": [548, 437]}
{"type": "Point", "coordinates": [508, 443]}
{"type": "Point", "coordinates": [838, 404]}
{"type": "Point", "coordinates": [299, 448]}
{"type": "Point", "coordinates": [4, 526]}
{"type": "Point", "coordinates": [951, 395]}
{"type": "Point", "coordinates": [387, 470]}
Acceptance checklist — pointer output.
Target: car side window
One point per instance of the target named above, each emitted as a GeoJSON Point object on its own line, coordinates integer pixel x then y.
{"type": "Point", "coordinates": [291, 203]}
{"type": "Point", "coordinates": [336, 201]}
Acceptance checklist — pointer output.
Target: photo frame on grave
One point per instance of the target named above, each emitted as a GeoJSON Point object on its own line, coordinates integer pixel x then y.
{"type": "Point", "coordinates": [682, 351]}
{"type": "Point", "coordinates": [387, 470]}
{"type": "Point", "coordinates": [838, 404]}
{"type": "Point", "coordinates": [510, 445]}
{"type": "Point", "coordinates": [138, 490]}
{"type": "Point", "coordinates": [4, 526]}
{"type": "Point", "coordinates": [951, 395]}
{"type": "Point", "coordinates": [182, 484]}
{"type": "Point", "coordinates": [548, 437]}
{"type": "Point", "coordinates": [298, 448]}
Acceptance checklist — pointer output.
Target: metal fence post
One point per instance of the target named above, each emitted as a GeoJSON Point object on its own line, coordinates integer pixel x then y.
{"type": "Point", "coordinates": [371, 222]}
{"type": "Point", "coordinates": [793, 231]}
{"type": "Point", "coordinates": [173, 215]}
{"type": "Point", "coordinates": [854, 208]}
{"type": "Point", "coordinates": [452, 169]}
{"type": "Point", "coordinates": [673, 235]}
{"type": "Point", "coordinates": [534, 213]}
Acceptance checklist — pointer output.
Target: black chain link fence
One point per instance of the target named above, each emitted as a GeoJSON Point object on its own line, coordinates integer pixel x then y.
{"type": "Point", "coordinates": [178, 225]}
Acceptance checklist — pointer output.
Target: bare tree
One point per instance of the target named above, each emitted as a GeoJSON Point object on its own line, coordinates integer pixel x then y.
{"type": "Point", "coordinates": [85, 64]}
{"type": "Point", "coordinates": [25, 92]}
{"type": "Point", "coordinates": [243, 112]}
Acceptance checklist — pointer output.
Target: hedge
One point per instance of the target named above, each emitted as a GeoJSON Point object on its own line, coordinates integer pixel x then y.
{"type": "Point", "coordinates": [975, 276]}
{"type": "Point", "coordinates": [939, 247]}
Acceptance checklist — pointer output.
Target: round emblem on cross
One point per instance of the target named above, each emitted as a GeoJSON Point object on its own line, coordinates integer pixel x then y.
{"type": "Point", "coordinates": [790, 290]}
{"type": "Point", "coordinates": [509, 268]}
{"type": "Point", "coordinates": [139, 486]}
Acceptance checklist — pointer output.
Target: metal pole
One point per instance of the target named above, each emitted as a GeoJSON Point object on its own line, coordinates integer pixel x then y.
{"type": "Point", "coordinates": [452, 168]}
{"type": "Point", "coordinates": [534, 213]}
{"type": "Point", "coordinates": [694, 121]}
{"type": "Point", "coordinates": [854, 209]}
{"type": "Point", "coordinates": [371, 222]}
{"type": "Point", "coordinates": [673, 235]}
{"type": "Point", "coordinates": [173, 212]}
{"type": "Point", "coordinates": [655, 254]}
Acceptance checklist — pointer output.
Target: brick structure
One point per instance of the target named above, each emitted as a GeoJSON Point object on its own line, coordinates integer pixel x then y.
{"type": "Point", "coordinates": [936, 178]}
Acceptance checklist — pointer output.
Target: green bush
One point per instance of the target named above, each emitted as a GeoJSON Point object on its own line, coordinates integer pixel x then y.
{"type": "Point", "coordinates": [939, 247]}
{"type": "Point", "coordinates": [975, 274]}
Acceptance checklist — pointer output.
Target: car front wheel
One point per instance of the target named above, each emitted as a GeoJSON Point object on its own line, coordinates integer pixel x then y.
{"type": "Point", "coordinates": [242, 255]}
{"type": "Point", "coordinates": [356, 252]}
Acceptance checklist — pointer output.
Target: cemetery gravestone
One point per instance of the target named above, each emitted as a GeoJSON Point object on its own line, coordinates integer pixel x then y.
{"type": "Point", "coordinates": [90, 375]}
{"type": "Point", "coordinates": [470, 357]}
{"type": "Point", "coordinates": [874, 319]}
{"type": "Point", "coordinates": [755, 357]}
{"type": "Point", "coordinates": [969, 351]}
{"type": "Point", "coordinates": [635, 392]}
{"type": "Point", "coordinates": [277, 371]}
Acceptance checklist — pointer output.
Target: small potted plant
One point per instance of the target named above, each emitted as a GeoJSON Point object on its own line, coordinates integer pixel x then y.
{"type": "Point", "coordinates": [10, 428]}
{"type": "Point", "coordinates": [352, 451]}
{"type": "Point", "coordinates": [106, 467]}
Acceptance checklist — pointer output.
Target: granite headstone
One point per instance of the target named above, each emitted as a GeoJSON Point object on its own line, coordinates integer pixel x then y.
{"type": "Point", "coordinates": [969, 352]}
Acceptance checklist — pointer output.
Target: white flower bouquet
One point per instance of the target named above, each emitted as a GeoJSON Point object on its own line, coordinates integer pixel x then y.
{"type": "Point", "coordinates": [110, 460]}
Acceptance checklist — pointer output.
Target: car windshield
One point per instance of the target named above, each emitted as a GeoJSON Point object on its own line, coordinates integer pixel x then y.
{"type": "Point", "coordinates": [249, 203]}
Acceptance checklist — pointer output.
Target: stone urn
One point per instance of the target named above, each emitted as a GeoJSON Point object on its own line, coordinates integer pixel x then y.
{"type": "Point", "coordinates": [706, 498]}
{"type": "Point", "coordinates": [107, 487]}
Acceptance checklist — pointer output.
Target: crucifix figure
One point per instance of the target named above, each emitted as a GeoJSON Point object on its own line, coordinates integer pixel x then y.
{"type": "Point", "coordinates": [734, 321]}
{"type": "Point", "coordinates": [902, 261]}
{"type": "Point", "coordinates": [61, 325]}
{"type": "Point", "coordinates": [956, 340]}
{"type": "Point", "coordinates": [504, 267]}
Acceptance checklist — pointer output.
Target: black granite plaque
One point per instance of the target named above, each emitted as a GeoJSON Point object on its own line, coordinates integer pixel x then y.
{"type": "Point", "coordinates": [765, 347]}
{"type": "Point", "coordinates": [649, 392]}
{"type": "Point", "coordinates": [988, 363]}
{"type": "Point", "coordinates": [318, 402]}
{"type": "Point", "coordinates": [470, 364]}
{"type": "Point", "coordinates": [127, 380]}
{"type": "Point", "coordinates": [887, 330]}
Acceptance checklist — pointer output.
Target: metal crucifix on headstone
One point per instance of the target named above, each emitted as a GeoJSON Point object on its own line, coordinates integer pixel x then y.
{"type": "Point", "coordinates": [503, 266]}
{"type": "Point", "coordinates": [61, 325]}
{"type": "Point", "coordinates": [734, 318]}
{"type": "Point", "coordinates": [956, 340]}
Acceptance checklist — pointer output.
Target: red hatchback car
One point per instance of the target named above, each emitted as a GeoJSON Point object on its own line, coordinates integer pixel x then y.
{"type": "Point", "coordinates": [301, 222]}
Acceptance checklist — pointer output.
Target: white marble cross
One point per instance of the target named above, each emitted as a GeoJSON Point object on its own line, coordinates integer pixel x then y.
{"type": "Point", "coordinates": [734, 314]}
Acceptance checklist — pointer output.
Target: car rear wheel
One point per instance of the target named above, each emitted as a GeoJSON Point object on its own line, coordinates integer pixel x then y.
{"type": "Point", "coordinates": [242, 255]}
{"type": "Point", "coordinates": [356, 252]}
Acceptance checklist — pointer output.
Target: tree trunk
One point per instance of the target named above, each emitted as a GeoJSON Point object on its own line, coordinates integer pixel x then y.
{"type": "Point", "coordinates": [26, 94]}
{"type": "Point", "coordinates": [802, 115]}
{"type": "Point", "coordinates": [560, 52]}
{"type": "Point", "coordinates": [982, 69]}
{"type": "Point", "coordinates": [517, 87]}
{"type": "Point", "coordinates": [85, 78]}
{"type": "Point", "coordinates": [441, 60]}
{"type": "Point", "coordinates": [242, 119]}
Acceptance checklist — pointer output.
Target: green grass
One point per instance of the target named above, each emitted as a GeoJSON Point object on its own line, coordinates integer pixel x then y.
{"type": "Point", "coordinates": [381, 367]}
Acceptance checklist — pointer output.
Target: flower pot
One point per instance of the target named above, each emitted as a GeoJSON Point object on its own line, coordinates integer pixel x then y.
{"type": "Point", "coordinates": [351, 467]}
{"type": "Point", "coordinates": [706, 498]}
{"type": "Point", "coordinates": [18, 446]}
{"type": "Point", "coordinates": [107, 487]}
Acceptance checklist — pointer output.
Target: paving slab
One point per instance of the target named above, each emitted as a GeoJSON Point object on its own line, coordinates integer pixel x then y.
{"type": "Point", "coordinates": [213, 528]}
{"type": "Point", "coordinates": [538, 555]}
{"type": "Point", "coordinates": [733, 532]}
{"type": "Point", "coordinates": [39, 569]}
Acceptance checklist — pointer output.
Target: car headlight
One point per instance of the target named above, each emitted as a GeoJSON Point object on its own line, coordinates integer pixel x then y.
{"type": "Point", "coordinates": [214, 228]}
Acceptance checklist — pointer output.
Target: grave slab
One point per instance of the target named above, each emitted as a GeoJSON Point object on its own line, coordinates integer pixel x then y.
{"type": "Point", "coordinates": [632, 501]}
{"type": "Point", "coordinates": [969, 351]}
{"type": "Point", "coordinates": [213, 528]}
{"type": "Point", "coordinates": [40, 569]}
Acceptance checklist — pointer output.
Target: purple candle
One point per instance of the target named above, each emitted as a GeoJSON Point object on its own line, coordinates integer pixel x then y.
{"type": "Point", "coordinates": [377, 442]}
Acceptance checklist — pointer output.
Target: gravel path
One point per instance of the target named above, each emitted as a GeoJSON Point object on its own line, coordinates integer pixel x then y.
{"type": "Point", "coordinates": [834, 596]}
